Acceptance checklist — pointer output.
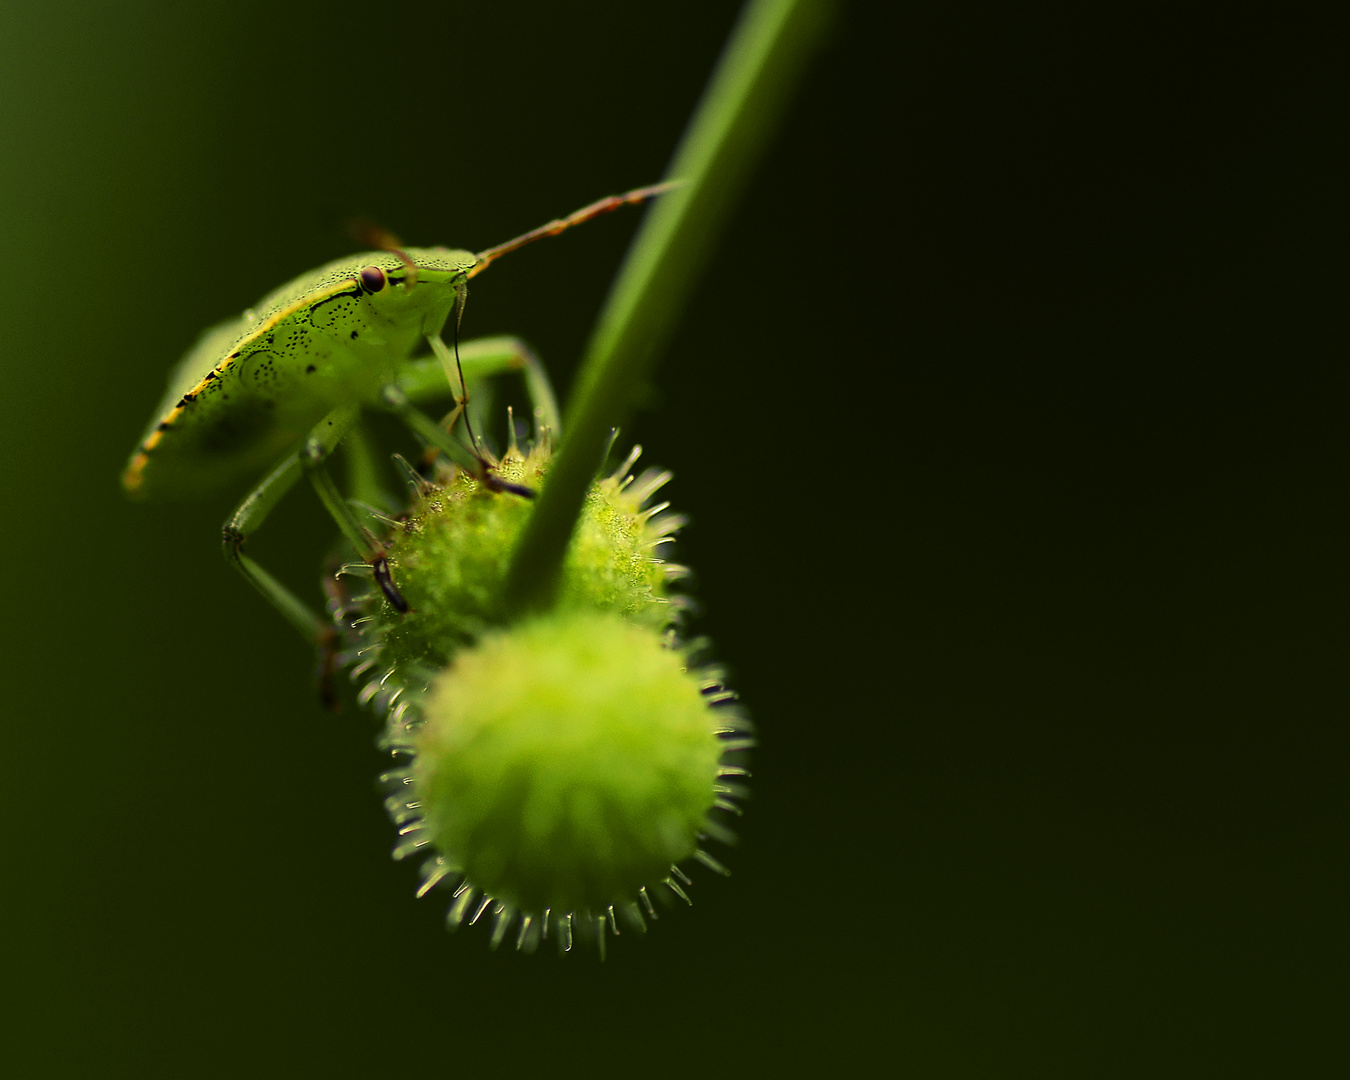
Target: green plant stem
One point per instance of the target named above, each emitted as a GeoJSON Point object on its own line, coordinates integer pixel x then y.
{"type": "Point", "coordinates": [762, 61]}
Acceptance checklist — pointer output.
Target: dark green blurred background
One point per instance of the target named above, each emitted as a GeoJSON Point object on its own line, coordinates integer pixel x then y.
{"type": "Point", "coordinates": [1010, 425]}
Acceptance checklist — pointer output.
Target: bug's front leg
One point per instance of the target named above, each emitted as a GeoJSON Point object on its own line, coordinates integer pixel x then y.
{"type": "Point", "coordinates": [424, 380]}
{"type": "Point", "coordinates": [322, 441]}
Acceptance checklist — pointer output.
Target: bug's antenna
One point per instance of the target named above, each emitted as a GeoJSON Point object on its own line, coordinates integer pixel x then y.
{"type": "Point", "coordinates": [554, 227]}
{"type": "Point", "coordinates": [482, 260]}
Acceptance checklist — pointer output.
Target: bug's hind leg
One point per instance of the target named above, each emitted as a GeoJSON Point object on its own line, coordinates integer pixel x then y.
{"type": "Point", "coordinates": [249, 515]}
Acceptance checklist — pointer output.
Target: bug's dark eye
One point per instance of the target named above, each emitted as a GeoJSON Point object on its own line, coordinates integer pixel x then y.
{"type": "Point", "coordinates": [372, 279]}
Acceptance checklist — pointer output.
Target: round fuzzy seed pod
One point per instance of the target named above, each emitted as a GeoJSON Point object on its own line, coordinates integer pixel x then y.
{"type": "Point", "coordinates": [567, 763]}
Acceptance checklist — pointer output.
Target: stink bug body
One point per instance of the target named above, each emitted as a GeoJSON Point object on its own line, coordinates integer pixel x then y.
{"type": "Point", "coordinates": [274, 391]}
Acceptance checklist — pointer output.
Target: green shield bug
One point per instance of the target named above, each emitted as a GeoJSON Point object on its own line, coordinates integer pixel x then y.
{"type": "Point", "coordinates": [275, 390]}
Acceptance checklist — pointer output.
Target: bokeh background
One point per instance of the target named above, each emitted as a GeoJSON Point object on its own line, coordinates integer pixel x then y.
{"type": "Point", "coordinates": [1011, 426]}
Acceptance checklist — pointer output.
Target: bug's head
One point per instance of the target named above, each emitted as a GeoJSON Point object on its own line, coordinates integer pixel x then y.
{"type": "Point", "coordinates": [410, 281]}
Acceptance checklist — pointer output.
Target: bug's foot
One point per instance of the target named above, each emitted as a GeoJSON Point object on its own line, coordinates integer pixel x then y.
{"type": "Point", "coordinates": [387, 586]}
{"type": "Point", "coordinates": [496, 483]}
{"type": "Point", "coordinates": [232, 540]}
{"type": "Point", "coordinates": [493, 482]}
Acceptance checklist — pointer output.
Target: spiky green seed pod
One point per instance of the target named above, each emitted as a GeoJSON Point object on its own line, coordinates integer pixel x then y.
{"type": "Point", "coordinates": [451, 555]}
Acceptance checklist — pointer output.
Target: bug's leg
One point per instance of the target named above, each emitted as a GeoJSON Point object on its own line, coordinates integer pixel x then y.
{"type": "Point", "coordinates": [249, 515]}
{"type": "Point", "coordinates": [424, 380]}
{"type": "Point", "coordinates": [323, 440]}
{"type": "Point", "coordinates": [362, 473]}
{"type": "Point", "coordinates": [538, 388]}
{"type": "Point", "coordinates": [438, 438]}
{"type": "Point", "coordinates": [452, 364]}
{"type": "Point", "coordinates": [396, 401]}
{"type": "Point", "coordinates": [364, 485]}
{"type": "Point", "coordinates": [253, 511]}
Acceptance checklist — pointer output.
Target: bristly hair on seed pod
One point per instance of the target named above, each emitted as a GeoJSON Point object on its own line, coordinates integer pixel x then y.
{"type": "Point", "coordinates": [554, 772]}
